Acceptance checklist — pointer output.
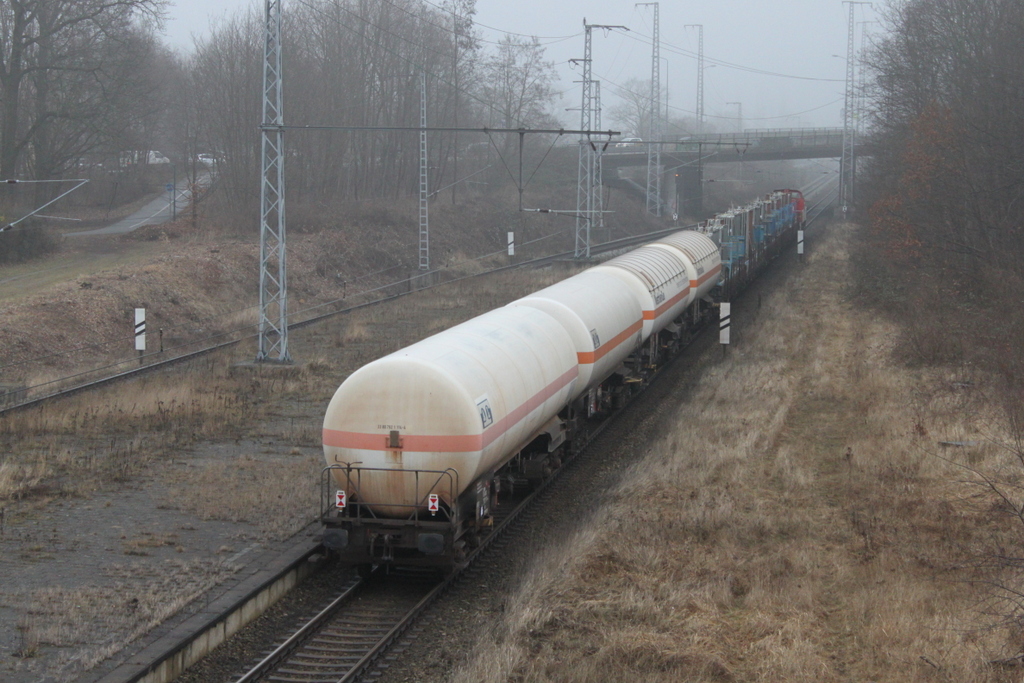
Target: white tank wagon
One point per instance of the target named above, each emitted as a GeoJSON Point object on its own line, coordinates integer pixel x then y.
{"type": "Point", "coordinates": [658, 281]}
{"type": "Point", "coordinates": [420, 443]}
{"type": "Point", "coordinates": [603, 319]}
{"type": "Point", "coordinates": [433, 418]}
{"type": "Point", "coordinates": [701, 256]}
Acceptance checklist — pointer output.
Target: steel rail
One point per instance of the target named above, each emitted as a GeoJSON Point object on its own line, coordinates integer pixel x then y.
{"type": "Point", "coordinates": [604, 248]}
{"type": "Point", "coordinates": [192, 355]}
{"type": "Point", "coordinates": [282, 651]}
{"type": "Point", "coordinates": [322, 619]}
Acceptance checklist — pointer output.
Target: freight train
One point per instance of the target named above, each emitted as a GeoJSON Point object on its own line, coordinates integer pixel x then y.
{"type": "Point", "coordinates": [422, 444]}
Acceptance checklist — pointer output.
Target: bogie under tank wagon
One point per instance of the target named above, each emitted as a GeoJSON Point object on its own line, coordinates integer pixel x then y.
{"type": "Point", "coordinates": [422, 445]}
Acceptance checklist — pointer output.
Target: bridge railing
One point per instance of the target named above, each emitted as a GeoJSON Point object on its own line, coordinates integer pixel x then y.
{"type": "Point", "coordinates": [764, 140]}
{"type": "Point", "coordinates": [801, 135]}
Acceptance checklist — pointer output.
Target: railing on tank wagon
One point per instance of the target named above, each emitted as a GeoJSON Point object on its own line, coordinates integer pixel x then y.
{"type": "Point", "coordinates": [430, 487]}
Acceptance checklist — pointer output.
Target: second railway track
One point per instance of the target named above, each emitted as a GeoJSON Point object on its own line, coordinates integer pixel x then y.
{"type": "Point", "coordinates": [339, 648]}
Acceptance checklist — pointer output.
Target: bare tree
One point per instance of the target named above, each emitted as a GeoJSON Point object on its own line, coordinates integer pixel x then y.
{"type": "Point", "coordinates": [64, 66]}
{"type": "Point", "coordinates": [226, 73]}
{"type": "Point", "coordinates": [633, 110]}
{"type": "Point", "coordinates": [518, 84]}
{"type": "Point", "coordinates": [349, 63]}
{"type": "Point", "coordinates": [947, 174]}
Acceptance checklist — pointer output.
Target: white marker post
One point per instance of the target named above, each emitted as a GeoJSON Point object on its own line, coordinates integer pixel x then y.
{"type": "Point", "coordinates": [724, 321]}
{"type": "Point", "coordinates": [511, 244]}
{"type": "Point", "coordinates": [800, 242]}
{"type": "Point", "coordinates": [140, 332]}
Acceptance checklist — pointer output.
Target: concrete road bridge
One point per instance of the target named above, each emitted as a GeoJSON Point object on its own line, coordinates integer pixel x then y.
{"type": "Point", "coordinates": [683, 160]}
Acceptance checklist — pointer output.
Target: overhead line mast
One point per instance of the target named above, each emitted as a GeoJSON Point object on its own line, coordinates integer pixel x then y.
{"type": "Point", "coordinates": [273, 320]}
{"type": "Point", "coordinates": [588, 170]}
{"type": "Point", "coordinates": [654, 137]}
{"type": "Point", "coordinates": [846, 163]}
{"type": "Point", "coordinates": [424, 195]}
{"type": "Point", "coordinates": [700, 76]}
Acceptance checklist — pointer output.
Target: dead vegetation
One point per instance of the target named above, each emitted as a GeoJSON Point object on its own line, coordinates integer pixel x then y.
{"type": "Point", "coordinates": [223, 441]}
{"type": "Point", "coordinates": [204, 290]}
{"type": "Point", "coordinates": [88, 623]}
{"type": "Point", "coordinates": [801, 521]}
{"type": "Point", "coordinates": [127, 430]}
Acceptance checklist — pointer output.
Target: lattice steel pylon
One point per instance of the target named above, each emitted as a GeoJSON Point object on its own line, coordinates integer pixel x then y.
{"type": "Point", "coordinates": [700, 76]}
{"type": "Point", "coordinates": [846, 162]}
{"type": "Point", "coordinates": [589, 206]}
{"type": "Point", "coordinates": [273, 321]}
{"type": "Point", "coordinates": [654, 136]}
{"type": "Point", "coordinates": [597, 166]}
{"type": "Point", "coordinates": [424, 215]}
{"type": "Point", "coordinates": [585, 170]}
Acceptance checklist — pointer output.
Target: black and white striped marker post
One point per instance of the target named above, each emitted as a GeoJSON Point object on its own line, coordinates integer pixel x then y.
{"type": "Point", "coordinates": [140, 332]}
{"type": "Point", "coordinates": [511, 244]}
{"type": "Point", "coordinates": [800, 242]}
{"type": "Point", "coordinates": [724, 321]}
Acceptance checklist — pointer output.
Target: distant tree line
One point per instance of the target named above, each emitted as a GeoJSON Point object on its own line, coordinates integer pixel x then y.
{"type": "Point", "coordinates": [945, 191]}
{"type": "Point", "coordinates": [87, 88]}
{"type": "Point", "coordinates": [359, 63]}
{"type": "Point", "coordinates": [77, 77]}
{"type": "Point", "coordinates": [945, 186]}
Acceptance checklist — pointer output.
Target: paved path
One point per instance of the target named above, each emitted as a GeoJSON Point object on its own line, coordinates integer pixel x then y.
{"type": "Point", "coordinates": [155, 212]}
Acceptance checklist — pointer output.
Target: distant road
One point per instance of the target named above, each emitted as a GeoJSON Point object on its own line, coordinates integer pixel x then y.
{"type": "Point", "coordinates": [155, 212]}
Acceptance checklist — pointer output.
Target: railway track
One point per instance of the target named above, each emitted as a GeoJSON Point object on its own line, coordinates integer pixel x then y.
{"type": "Point", "coordinates": [352, 633]}
{"type": "Point", "coordinates": [345, 636]}
{"type": "Point", "coordinates": [605, 248]}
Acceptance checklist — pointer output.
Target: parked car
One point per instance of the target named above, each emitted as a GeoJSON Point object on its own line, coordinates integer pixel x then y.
{"type": "Point", "coordinates": [629, 142]}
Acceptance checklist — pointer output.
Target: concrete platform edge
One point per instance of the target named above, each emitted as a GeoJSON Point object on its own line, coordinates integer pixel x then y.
{"type": "Point", "coordinates": [169, 656]}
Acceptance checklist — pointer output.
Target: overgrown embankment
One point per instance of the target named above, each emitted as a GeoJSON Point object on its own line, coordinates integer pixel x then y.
{"type": "Point", "coordinates": [801, 521]}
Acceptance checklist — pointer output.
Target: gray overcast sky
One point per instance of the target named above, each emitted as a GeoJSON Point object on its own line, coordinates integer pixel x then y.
{"type": "Point", "coordinates": [792, 37]}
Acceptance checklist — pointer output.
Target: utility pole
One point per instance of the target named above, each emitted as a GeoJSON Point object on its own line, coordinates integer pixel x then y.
{"type": "Point", "coordinates": [739, 129]}
{"type": "Point", "coordinates": [588, 169]}
{"type": "Point", "coordinates": [424, 216]}
{"type": "Point", "coordinates": [585, 170]}
{"type": "Point", "coordinates": [273, 320]}
{"type": "Point", "coordinates": [846, 163]}
{"type": "Point", "coordinates": [700, 76]}
{"type": "Point", "coordinates": [654, 136]}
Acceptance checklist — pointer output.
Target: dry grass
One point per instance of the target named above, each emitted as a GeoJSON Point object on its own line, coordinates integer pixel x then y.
{"type": "Point", "coordinates": [798, 523]}
{"type": "Point", "coordinates": [70, 447]}
{"type": "Point", "coordinates": [133, 599]}
{"type": "Point", "coordinates": [278, 497]}
{"type": "Point", "coordinates": [118, 432]}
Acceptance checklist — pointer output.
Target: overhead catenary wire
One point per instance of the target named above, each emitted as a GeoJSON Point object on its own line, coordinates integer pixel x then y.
{"type": "Point", "coordinates": [717, 116]}
{"type": "Point", "coordinates": [684, 52]}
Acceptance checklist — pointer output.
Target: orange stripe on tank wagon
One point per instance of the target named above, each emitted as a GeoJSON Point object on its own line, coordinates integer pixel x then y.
{"type": "Point", "coordinates": [454, 443]}
{"type": "Point", "coordinates": [411, 442]}
{"type": "Point", "coordinates": [590, 357]}
{"type": "Point", "coordinates": [706, 276]}
{"type": "Point", "coordinates": [651, 315]}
